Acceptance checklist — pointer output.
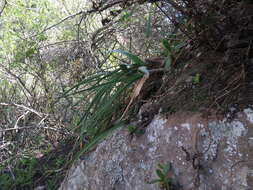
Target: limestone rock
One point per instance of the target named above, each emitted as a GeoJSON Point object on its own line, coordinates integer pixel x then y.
{"type": "Point", "coordinates": [205, 154]}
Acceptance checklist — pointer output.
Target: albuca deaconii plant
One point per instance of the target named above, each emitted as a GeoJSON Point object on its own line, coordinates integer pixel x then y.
{"type": "Point", "coordinates": [106, 90]}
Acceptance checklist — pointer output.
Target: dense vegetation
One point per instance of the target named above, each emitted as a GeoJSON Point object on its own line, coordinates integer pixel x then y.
{"type": "Point", "coordinates": [71, 72]}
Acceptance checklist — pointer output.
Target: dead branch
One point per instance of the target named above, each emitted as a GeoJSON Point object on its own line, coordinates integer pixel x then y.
{"type": "Point", "coordinates": [17, 78]}
{"type": "Point", "coordinates": [24, 107]}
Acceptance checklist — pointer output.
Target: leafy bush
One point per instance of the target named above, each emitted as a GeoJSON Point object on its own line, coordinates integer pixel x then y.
{"type": "Point", "coordinates": [21, 177]}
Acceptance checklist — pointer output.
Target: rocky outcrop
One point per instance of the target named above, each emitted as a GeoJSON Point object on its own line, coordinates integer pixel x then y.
{"type": "Point", "coordinates": [205, 154]}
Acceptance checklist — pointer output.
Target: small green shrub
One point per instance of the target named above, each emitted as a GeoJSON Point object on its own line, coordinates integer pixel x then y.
{"type": "Point", "coordinates": [163, 180]}
{"type": "Point", "coordinates": [171, 50]}
{"type": "Point", "coordinates": [21, 177]}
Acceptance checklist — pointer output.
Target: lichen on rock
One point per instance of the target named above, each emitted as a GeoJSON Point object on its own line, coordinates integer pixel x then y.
{"type": "Point", "coordinates": [121, 162]}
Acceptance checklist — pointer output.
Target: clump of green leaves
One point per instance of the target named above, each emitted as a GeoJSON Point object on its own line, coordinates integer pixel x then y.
{"type": "Point", "coordinates": [105, 90]}
{"type": "Point", "coordinates": [171, 49]}
{"type": "Point", "coordinates": [163, 180]}
{"type": "Point", "coordinates": [132, 128]}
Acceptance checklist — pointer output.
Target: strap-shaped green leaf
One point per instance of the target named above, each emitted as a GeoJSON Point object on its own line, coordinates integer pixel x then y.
{"type": "Point", "coordinates": [160, 174]}
{"type": "Point", "coordinates": [131, 56]}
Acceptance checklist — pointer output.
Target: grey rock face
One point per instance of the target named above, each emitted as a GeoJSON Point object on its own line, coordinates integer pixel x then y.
{"type": "Point", "coordinates": [206, 154]}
